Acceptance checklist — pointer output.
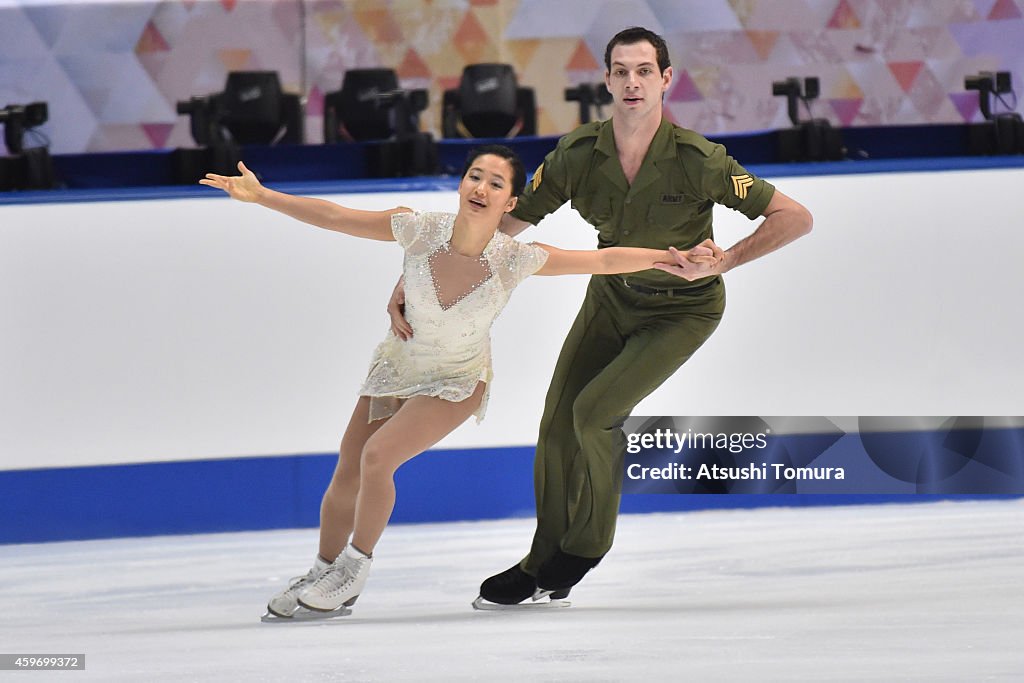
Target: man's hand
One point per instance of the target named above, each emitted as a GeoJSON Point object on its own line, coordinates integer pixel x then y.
{"type": "Point", "coordinates": [704, 260]}
{"type": "Point", "coordinates": [400, 327]}
{"type": "Point", "coordinates": [244, 188]}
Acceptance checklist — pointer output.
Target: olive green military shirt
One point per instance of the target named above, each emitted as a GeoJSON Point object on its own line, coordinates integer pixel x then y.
{"type": "Point", "coordinates": [669, 203]}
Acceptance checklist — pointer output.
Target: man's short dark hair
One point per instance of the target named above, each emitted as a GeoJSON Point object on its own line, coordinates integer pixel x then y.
{"type": "Point", "coordinates": [518, 179]}
{"type": "Point", "coordinates": [638, 34]}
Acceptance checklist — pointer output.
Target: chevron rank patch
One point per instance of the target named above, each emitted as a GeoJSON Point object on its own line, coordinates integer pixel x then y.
{"type": "Point", "coordinates": [740, 184]}
{"type": "Point", "coordinates": [535, 183]}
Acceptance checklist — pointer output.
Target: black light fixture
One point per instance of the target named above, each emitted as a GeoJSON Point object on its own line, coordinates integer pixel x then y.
{"type": "Point", "coordinates": [795, 92]}
{"type": "Point", "coordinates": [589, 95]}
{"type": "Point", "coordinates": [489, 103]}
{"type": "Point", "coordinates": [373, 110]}
{"type": "Point", "coordinates": [989, 83]}
{"type": "Point", "coordinates": [811, 140]}
{"type": "Point", "coordinates": [25, 168]}
{"type": "Point", "coordinates": [251, 110]}
{"type": "Point", "coordinates": [371, 106]}
{"type": "Point", "coordinates": [17, 118]}
{"type": "Point", "coordinates": [1002, 133]}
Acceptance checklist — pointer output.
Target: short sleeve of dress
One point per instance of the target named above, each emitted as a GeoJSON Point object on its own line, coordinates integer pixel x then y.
{"type": "Point", "coordinates": [420, 232]}
{"type": "Point", "coordinates": [529, 260]}
{"type": "Point", "coordinates": [514, 261]}
{"type": "Point", "coordinates": [405, 227]}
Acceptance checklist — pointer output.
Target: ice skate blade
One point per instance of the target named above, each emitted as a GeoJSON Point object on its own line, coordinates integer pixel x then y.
{"type": "Point", "coordinates": [305, 615]}
{"type": "Point", "coordinates": [484, 605]}
{"type": "Point", "coordinates": [329, 610]}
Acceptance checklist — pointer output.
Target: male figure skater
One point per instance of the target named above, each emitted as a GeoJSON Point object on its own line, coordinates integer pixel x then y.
{"type": "Point", "coordinates": [640, 181]}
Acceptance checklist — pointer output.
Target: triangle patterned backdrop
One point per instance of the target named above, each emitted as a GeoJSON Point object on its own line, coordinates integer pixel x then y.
{"type": "Point", "coordinates": [112, 72]}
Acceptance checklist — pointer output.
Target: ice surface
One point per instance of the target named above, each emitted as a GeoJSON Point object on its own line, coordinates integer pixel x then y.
{"type": "Point", "coordinates": [893, 592]}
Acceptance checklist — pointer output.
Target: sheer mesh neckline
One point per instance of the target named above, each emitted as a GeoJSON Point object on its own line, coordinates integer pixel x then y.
{"type": "Point", "coordinates": [456, 276]}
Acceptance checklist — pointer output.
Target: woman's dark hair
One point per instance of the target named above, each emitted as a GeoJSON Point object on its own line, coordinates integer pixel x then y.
{"type": "Point", "coordinates": [638, 34]}
{"type": "Point", "coordinates": [518, 178]}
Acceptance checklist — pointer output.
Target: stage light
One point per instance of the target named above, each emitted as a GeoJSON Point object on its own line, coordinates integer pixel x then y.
{"type": "Point", "coordinates": [1002, 133]}
{"type": "Point", "coordinates": [371, 106]}
{"type": "Point", "coordinates": [811, 140]}
{"type": "Point", "coordinates": [589, 95]}
{"type": "Point", "coordinates": [489, 103]}
{"type": "Point", "coordinates": [795, 92]}
{"type": "Point", "coordinates": [251, 110]}
{"type": "Point", "coordinates": [25, 168]}
{"type": "Point", "coordinates": [373, 110]}
{"type": "Point", "coordinates": [18, 118]}
{"type": "Point", "coordinates": [988, 83]}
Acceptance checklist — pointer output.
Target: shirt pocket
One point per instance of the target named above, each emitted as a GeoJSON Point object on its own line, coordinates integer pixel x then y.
{"type": "Point", "coordinates": [667, 216]}
{"type": "Point", "coordinates": [676, 221]}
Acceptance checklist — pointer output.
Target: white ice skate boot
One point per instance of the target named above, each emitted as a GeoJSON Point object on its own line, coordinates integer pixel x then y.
{"type": "Point", "coordinates": [340, 584]}
{"type": "Point", "coordinates": [286, 603]}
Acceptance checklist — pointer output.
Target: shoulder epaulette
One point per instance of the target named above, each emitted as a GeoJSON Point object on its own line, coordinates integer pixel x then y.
{"type": "Point", "coordinates": [696, 141]}
{"type": "Point", "coordinates": [584, 132]}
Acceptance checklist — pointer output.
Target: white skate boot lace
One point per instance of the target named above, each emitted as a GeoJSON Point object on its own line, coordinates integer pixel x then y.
{"type": "Point", "coordinates": [338, 576]}
{"type": "Point", "coordinates": [286, 602]}
{"type": "Point", "coordinates": [297, 583]}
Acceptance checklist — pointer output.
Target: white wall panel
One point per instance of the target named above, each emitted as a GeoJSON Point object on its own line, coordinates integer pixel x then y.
{"type": "Point", "coordinates": [178, 329]}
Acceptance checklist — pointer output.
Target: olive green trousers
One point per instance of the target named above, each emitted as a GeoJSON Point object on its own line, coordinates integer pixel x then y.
{"type": "Point", "coordinates": [622, 346]}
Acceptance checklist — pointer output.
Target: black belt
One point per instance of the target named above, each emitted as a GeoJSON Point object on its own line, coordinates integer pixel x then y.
{"type": "Point", "coordinates": [673, 291]}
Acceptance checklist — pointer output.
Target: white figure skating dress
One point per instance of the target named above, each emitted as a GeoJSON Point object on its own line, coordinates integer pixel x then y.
{"type": "Point", "coordinates": [451, 302]}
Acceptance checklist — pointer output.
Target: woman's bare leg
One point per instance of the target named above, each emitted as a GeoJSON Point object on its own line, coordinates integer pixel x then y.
{"type": "Point", "coordinates": [419, 424]}
{"type": "Point", "coordinates": [337, 510]}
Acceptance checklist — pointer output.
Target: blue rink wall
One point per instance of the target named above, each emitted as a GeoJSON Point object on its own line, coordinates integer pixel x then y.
{"type": "Point", "coordinates": [284, 492]}
{"type": "Point", "coordinates": [174, 362]}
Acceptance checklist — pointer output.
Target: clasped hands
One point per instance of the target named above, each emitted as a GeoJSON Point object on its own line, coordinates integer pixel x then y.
{"type": "Point", "coordinates": [704, 260]}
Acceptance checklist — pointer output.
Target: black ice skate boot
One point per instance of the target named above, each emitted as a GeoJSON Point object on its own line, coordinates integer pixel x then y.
{"type": "Point", "coordinates": [510, 588]}
{"type": "Point", "coordinates": [562, 571]}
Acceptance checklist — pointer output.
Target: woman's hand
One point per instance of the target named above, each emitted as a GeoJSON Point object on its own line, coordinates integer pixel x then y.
{"type": "Point", "coordinates": [704, 260]}
{"type": "Point", "coordinates": [244, 188]}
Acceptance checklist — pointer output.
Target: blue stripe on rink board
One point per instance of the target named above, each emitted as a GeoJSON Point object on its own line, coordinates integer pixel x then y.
{"type": "Point", "coordinates": [244, 494]}
{"type": "Point", "coordinates": [247, 494]}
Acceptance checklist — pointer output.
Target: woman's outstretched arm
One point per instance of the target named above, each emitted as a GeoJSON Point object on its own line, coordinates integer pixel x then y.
{"type": "Point", "coordinates": [374, 225]}
{"type": "Point", "coordinates": [614, 260]}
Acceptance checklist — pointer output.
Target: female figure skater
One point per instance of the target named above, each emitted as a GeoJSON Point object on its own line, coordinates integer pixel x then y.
{"type": "Point", "coordinates": [459, 272]}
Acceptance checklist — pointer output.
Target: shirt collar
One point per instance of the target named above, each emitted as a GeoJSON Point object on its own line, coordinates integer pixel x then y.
{"type": "Point", "coordinates": [662, 145]}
